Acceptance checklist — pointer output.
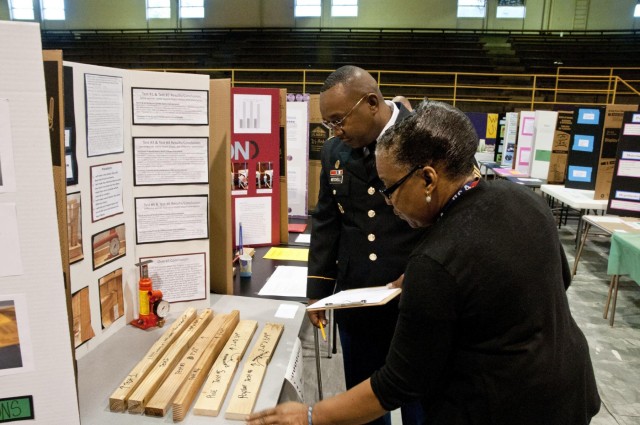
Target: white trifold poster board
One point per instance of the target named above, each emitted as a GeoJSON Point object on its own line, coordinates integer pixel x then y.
{"type": "Point", "coordinates": [524, 149]}
{"type": "Point", "coordinates": [36, 368]}
{"type": "Point", "coordinates": [297, 157]}
{"type": "Point", "coordinates": [544, 130]}
{"type": "Point", "coordinates": [141, 146]}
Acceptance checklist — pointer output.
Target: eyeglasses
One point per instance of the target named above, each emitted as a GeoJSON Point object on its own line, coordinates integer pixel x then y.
{"type": "Point", "coordinates": [389, 190]}
{"type": "Point", "coordinates": [332, 125]}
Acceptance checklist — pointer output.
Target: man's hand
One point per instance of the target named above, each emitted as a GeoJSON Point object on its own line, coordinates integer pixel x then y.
{"type": "Point", "coordinates": [316, 316]}
{"type": "Point", "coordinates": [396, 283]}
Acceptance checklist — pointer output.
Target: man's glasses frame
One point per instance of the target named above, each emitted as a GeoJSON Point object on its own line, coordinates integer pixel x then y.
{"type": "Point", "coordinates": [332, 125]}
{"type": "Point", "coordinates": [387, 192]}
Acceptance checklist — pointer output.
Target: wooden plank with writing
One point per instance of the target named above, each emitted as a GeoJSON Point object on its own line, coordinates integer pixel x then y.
{"type": "Point", "coordinates": [141, 395]}
{"type": "Point", "coordinates": [191, 386]}
{"type": "Point", "coordinates": [219, 380]}
{"type": "Point", "coordinates": [245, 394]}
{"type": "Point", "coordinates": [118, 400]}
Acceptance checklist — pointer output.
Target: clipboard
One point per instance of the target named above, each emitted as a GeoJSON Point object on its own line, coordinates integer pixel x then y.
{"type": "Point", "coordinates": [359, 297]}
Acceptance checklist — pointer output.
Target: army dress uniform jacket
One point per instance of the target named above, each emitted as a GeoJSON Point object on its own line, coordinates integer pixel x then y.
{"type": "Point", "coordinates": [357, 241]}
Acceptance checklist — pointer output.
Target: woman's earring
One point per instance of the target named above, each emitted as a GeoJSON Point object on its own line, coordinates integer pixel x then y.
{"type": "Point", "coordinates": [428, 198]}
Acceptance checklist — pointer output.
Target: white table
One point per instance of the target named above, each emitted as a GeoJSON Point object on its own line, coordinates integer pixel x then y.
{"type": "Point", "coordinates": [102, 370]}
{"type": "Point", "coordinates": [577, 199]}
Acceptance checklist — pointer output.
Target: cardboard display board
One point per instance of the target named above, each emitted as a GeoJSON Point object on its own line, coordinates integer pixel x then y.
{"type": "Point", "coordinates": [560, 147]}
{"type": "Point", "coordinates": [32, 290]}
{"type": "Point", "coordinates": [610, 135]}
{"type": "Point", "coordinates": [500, 136]}
{"type": "Point", "coordinates": [221, 241]}
{"type": "Point", "coordinates": [297, 157]}
{"type": "Point", "coordinates": [144, 186]}
{"type": "Point", "coordinates": [510, 140]}
{"type": "Point", "coordinates": [255, 162]}
{"type": "Point", "coordinates": [524, 147]}
{"type": "Point", "coordinates": [318, 134]}
{"type": "Point", "coordinates": [624, 199]}
{"type": "Point", "coordinates": [584, 149]}
{"type": "Point", "coordinates": [543, 133]}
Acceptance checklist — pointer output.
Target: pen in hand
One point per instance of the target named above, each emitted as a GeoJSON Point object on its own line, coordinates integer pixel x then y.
{"type": "Point", "coordinates": [324, 335]}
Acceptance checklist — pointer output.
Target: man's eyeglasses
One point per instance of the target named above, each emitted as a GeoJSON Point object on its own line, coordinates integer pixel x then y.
{"type": "Point", "coordinates": [387, 192]}
{"type": "Point", "coordinates": [332, 125]}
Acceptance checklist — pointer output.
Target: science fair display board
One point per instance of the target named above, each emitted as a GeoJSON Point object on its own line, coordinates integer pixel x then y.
{"type": "Point", "coordinates": [624, 199]}
{"type": "Point", "coordinates": [255, 166]}
{"type": "Point", "coordinates": [36, 362]}
{"type": "Point", "coordinates": [138, 157]}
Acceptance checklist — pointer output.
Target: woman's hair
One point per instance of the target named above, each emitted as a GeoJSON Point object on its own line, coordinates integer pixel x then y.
{"type": "Point", "coordinates": [437, 135]}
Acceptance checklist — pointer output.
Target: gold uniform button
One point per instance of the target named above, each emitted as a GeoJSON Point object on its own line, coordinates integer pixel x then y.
{"type": "Point", "coordinates": [340, 208]}
{"type": "Point", "coordinates": [373, 257]}
{"type": "Point", "coordinates": [371, 191]}
{"type": "Point", "coordinates": [371, 237]}
{"type": "Point", "coordinates": [371, 213]}
{"type": "Point", "coordinates": [334, 191]}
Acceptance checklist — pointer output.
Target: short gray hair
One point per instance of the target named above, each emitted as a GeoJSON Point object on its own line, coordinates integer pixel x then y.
{"type": "Point", "coordinates": [437, 134]}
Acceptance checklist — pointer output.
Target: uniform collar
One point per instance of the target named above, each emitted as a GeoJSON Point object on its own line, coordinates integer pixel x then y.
{"type": "Point", "coordinates": [392, 120]}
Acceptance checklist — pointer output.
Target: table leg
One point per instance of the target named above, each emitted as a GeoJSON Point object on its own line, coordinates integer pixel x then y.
{"type": "Point", "coordinates": [579, 226]}
{"type": "Point", "coordinates": [330, 331]}
{"type": "Point", "coordinates": [587, 226]}
{"type": "Point", "coordinates": [615, 298]}
{"type": "Point", "coordinates": [318, 370]}
{"type": "Point", "coordinates": [606, 305]}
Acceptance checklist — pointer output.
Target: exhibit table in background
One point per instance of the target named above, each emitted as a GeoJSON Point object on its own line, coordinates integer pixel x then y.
{"type": "Point", "coordinates": [104, 368]}
{"type": "Point", "coordinates": [624, 259]}
{"type": "Point", "coordinates": [581, 200]}
{"type": "Point", "coordinates": [608, 224]}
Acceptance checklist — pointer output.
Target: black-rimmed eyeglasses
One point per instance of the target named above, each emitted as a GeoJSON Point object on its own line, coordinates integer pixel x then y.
{"type": "Point", "coordinates": [332, 125]}
{"type": "Point", "coordinates": [387, 192]}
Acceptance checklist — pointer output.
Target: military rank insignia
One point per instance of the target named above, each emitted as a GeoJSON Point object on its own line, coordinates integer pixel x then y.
{"type": "Point", "coordinates": [336, 176]}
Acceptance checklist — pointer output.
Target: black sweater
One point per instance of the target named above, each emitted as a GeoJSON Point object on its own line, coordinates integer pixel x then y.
{"type": "Point", "coordinates": [485, 334]}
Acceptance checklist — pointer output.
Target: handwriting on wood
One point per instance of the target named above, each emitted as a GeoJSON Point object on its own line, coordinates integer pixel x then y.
{"type": "Point", "coordinates": [219, 380]}
{"type": "Point", "coordinates": [245, 394]}
{"type": "Point", "coordinates": [118, 400]}
{"type": "Point", "coordinates": [187, 394]}
{"type": "Point", "coordinates": [141, 395]}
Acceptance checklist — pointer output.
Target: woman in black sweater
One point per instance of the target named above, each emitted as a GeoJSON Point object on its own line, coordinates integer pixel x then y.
{"type": "Point", "coordinates": [485, 334]}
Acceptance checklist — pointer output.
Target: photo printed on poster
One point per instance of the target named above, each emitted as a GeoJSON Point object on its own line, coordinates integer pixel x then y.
{"type": "Point", "coordinates": [108, 245]}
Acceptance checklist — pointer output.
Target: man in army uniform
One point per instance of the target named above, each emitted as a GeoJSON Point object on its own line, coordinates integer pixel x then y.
{"type": "Point", "coordinates": [356, 239]}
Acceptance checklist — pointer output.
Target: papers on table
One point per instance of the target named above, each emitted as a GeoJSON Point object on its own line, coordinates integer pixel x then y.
{"type": "Point", "coordinates": [294, 254]}
{"type": "Point", "coordinates": [304, 238]}
{"type": "Point", "coordinates": [286, 281]}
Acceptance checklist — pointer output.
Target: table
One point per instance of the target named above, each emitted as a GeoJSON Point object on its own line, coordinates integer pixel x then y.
{"type": "Point", "coordinates": [608, 224]}
{"type": "Point", "coordinates": [577, 199]}
{"type": "Point", "coordinates": [530, 182]}
{"type": "Point", "coordinates": [102, 369]}
{"type": "Point", "coordinates": [488, 165]}
{"type": "Point", "coordinates": [624, 258]}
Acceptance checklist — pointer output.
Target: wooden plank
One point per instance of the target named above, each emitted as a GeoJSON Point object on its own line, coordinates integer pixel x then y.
{"type": "Point", "coordinates": [118, 400]}
{"type": "Point", "coordinates": [164, 395]}
{"type": "Point", "coordinates": [245, 394]}
{"type": "Point", "coordinates": [187, 393]}
{"type": "Point", "coordinates": [219, 380]}
{"type": "Point", "coordinates": [141, 395]}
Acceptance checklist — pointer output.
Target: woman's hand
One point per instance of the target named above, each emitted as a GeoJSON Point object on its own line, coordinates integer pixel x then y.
{"type": "Point", "coordinates": [290, 413]}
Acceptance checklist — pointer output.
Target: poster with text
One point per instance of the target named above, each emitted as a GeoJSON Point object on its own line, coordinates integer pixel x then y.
{"type": "Point", "coordinates": [255, 160]}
